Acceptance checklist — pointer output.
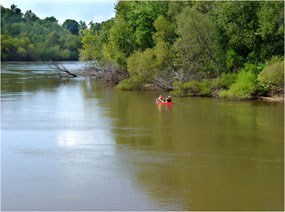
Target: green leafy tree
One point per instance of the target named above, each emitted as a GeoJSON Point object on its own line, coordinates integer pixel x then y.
{"type": "Point", "coordinates": [72, 26]}
{"type": "Point", "coordinates": [238, 22]}
{"type": "Point", "coordinates": [254, 30]}
{"type": "Point", "coordinates": [82, 25]}
{"type": "Point", "coordinates": [51, 19]}
{"type": "Point", "coordinates": [133, 29]}
{"type": "Point", "coordinates": [9, 16]}
{"type": "Point", "coordinates": [142, 65]}
{"type": "Point", "coordinates": [26, 37]}
{"type": "Point", "coordinates": [93, 42]}
{"type": "Point", "coordinates": [176, 7]}
{"type": "Point", "coordinates": [151, 65]}
{"type": "Point", "coordinates": [121, 43]}
{"type": "Point", "coordinates": [30, 16]}
{"type": "Point", "coordinates": [16, 10]}
{"type": "Point", "coordinates": [165, 30]}
{"type": "Point", "coordinates": [94, 27]}
{"type": "Point", "coordinates": [8, 48]}
{"type": "Point", "coordinates": [271, 29]}
{"type": "Point", "coordinates": [52, 38]}
{"type": "Point", "coordinates": [272, 76]}
{"type": "Point", "coordinates": [196, 47]}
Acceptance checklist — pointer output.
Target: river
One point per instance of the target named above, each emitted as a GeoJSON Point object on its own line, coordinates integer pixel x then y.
{"type": "Point", "coordinates": [78, 145]}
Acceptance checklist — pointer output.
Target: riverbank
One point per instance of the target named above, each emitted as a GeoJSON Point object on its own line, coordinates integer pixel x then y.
{"type": "Point", "coordinates": [216, 88]}
{"type": "Point", "coordinates": [194, 88]}
{"type": "Point", "coordinates": [271, 99]}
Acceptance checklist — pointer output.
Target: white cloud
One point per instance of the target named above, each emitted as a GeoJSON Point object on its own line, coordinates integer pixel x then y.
{"type": "Point", "coordinates": [73, 13]}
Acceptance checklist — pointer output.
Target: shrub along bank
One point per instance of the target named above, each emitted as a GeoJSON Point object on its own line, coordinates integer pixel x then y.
{"type": "Point", "coordinates": [248, 83]}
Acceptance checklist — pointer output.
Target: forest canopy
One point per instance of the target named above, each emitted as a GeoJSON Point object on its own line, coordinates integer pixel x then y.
{"type": "Point", "coordinates": [26, 37]}
{"type": "Point", "coordinates": [189, 46]}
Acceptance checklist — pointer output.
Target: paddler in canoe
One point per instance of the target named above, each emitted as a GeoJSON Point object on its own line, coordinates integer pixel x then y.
{"type": "Point", "coordinates": [169, 99]}
{"type": "Point", "coordinates": [162, 99]}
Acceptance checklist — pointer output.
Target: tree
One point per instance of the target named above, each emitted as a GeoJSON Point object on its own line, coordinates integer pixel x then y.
{"type": "Point", "coordinates": [82, 27]}
{"type": "Point", "coordinates": [52, 38]}
{"type": "Point", "coordinates": [271, 29]}
{"type": "Point", "coordinates": [254, 30]}
{"type": "Point", "coordinates": [94, 27]}
{"type": "Point", "coordinates": [29, 16]}
{"type": "Point", "coordinates": [165, 30]}
{"type": "Point", "coordinates": [92, 43]}
{"type": "Point", "coordinates": [30, 38]}
{"type": "Point", "coordinates": [141, 17]}
{"type": "Point", "coordinates": [121, 43]}
{"type": "Point", "coordinates": [197, 49]}
{"type": "Point", "coordinates": [272, 76]}
{"type": "Point", "coordinates": [72, 26]}
{"type": "Point", "coordinates": [51, 19]}
{"type": "Point", "coordinates": [132, 29]}
{"type": "Point", "coordinates": [8, 48]}
{"type": "Point", "coordinates": [9, 16]}
{"type": "Point", "coordinates": [16, 10]}
{"type": "Point", "coordinates": [237, 24]}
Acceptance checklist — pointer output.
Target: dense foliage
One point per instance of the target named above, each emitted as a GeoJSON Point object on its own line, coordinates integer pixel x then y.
{"type": "Point", "coordinates": [272, 76]}
{"type": "Point", "coordinates": [195, 47]}
{"type": "Point", "coordinates": [27, 37]}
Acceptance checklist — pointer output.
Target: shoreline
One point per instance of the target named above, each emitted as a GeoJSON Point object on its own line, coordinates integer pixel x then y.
{"type": "Point", "coordinates": [151, 87]}
{"type": "Point", "coordinates": [110, 78]}
{"type": "Point", "coordinates": [271, 99]}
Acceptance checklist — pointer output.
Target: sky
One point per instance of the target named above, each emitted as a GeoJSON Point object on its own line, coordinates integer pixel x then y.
{"type": "Point", "coordinates": [79, 10]}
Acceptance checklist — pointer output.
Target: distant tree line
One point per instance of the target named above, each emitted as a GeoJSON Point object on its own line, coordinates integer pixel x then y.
{"type": "Point", "coordinates": [26, 37]}
{"type": "Point", "coordinates": [195, 48]}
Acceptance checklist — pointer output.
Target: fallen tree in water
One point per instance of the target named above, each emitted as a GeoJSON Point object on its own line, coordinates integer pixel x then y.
{"type": "Point", "coordinates": [62, 71]}
{"type": "Point", "coordinates": [107, 74]}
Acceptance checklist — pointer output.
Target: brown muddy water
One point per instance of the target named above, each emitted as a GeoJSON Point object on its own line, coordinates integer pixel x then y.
{"type": "Point", "coordinates": [77, 145]}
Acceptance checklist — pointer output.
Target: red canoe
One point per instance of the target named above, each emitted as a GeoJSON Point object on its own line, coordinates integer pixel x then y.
{"type": "Point", "coordinates": [163, 103]}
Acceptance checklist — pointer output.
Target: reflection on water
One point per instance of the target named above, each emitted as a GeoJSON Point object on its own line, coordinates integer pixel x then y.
{"type": "Point", "coordinates": [71, 139]}
{"type": "Point", "coordinates": [204, 154]}
{"type": "Point", "coordinates": [76, 145]}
